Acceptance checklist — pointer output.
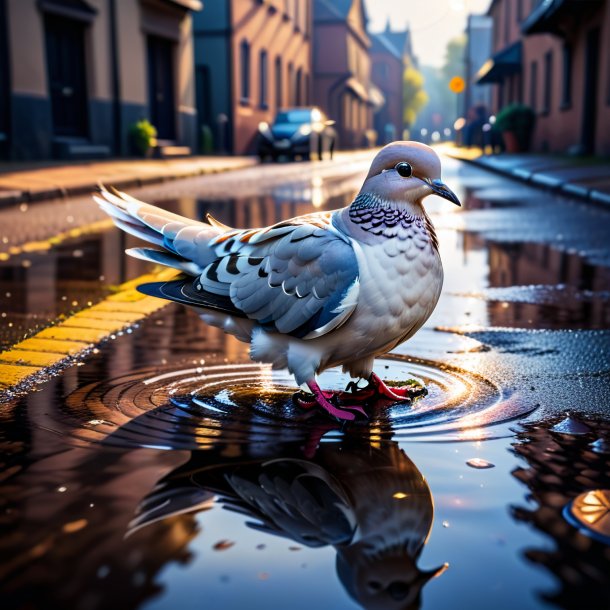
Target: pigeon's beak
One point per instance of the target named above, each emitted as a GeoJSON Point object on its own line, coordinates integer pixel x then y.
{"type": "Point", "coordinates": [442, 190]}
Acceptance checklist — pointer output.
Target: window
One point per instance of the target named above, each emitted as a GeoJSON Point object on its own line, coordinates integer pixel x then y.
{"type": "Point", "coordinates": [290, 85]}
{"type": "Point", "coordinates": [534, 85]}
{"type": "Point", "coordinates": [263, 80]}
{"type": "Point", "coordinates": [244, 54]}
{"type": "Point", "coordinates": [278, 83]}
{"type": "Point", "coordinates": [566, 89]}
{"type": "Point", "coordinates": [548, 81]}
{"type": "Point", "coordinates": [299, 88]}
{"type": "Point", "coordinates": [507, 21]}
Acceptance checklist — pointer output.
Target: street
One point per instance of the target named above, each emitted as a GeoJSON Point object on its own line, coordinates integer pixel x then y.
{"type": "Point", "coordinates": [108, 504]}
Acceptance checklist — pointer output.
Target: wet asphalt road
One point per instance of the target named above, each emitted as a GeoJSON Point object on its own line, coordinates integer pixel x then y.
{"type": "Point", "coordinates": [111, 488]}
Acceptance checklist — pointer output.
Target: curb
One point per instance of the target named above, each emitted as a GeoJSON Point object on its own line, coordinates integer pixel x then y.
{"type": "Point", "coordinates": [13, 197]}
{"type": "Point", "coordinates": [542, 181]}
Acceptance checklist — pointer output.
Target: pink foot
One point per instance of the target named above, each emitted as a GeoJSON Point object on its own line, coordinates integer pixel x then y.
{"type": "Point", "coordinates": [322, 399]}
{"type": "Point", "coordinates": [399, 394]}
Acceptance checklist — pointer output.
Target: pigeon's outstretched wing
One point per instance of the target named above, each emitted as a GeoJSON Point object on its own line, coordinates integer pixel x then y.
{"type": "Point", "coordinates": [299, 277]}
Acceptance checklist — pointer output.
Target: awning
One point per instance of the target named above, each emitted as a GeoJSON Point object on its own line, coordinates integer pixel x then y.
{"type": "Point", "coordinates": [556, 16]}
{"type": "Point", "coordinates": [376, 97]}
{"type": "Point", "coordinates": [358, 88]}
{"type": "Point", "coordinates": [502, 64]}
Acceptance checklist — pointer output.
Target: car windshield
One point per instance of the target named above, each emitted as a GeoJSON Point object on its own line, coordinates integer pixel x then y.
{"type": "Point", "coordinates": [294, 116]}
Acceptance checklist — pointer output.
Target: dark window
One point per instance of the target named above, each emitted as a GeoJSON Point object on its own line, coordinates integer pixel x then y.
{"type": "Point", "coordinates": [290, 84]}
{"type": "Point", "coordinates": [566, 89]}
{"type": "Point", "coordinates": [299, 87]}
{"type": "Point", "coordinates": [278, 83]}
{"type": "Point", "coordinates": [548, 81]}
{"type": "Point", "coordinates": [534, 85]}
{"type": "Point", "coordinates": [245, 71]}
{"type": "Point", "coordinates": [263, 80]}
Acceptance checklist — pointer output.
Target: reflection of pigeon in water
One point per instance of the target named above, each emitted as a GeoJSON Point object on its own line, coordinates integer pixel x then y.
{"type": "Point", "coordinates": [371, 504]}
{"type": "Point", "coordinates": [318, 290]}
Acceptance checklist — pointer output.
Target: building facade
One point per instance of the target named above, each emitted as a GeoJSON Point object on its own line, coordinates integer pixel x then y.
{"type": "Point", "coordinates": [479, 30]}
{"type": "Point", "coordinates": [75, 75]}
{"type": "Point", "coordinates": [252, 58]}
{"type": "Point", "coordinates": [342, 70]}
{"type": "Point", "coordinates": [554, 56]}
{"type": "Point", "coordinates": [390, 54]}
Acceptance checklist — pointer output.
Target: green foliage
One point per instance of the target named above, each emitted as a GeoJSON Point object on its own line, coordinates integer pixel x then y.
{"type": "Point", "coordinates": [414, 96]}
{"type": "Point", "coordinates": [454, 59]}
{"type": "Point", "coordinates": [143, 137]}
{"type": "Point", "coordinates": [518, 119]}
{"type": "Point", "coordinates": [207, 140]}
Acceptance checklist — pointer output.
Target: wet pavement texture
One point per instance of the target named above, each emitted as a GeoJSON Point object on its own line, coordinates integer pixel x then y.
{"type": "Point", "coordinates": [166, 470]}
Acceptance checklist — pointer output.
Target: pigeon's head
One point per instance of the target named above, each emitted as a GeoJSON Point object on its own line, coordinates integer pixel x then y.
{"type": "Point", "coordinates": [408, 172]}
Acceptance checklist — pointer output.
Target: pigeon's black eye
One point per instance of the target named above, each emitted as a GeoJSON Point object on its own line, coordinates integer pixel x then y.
{"type": "Point", "coordinates": [404, 169]}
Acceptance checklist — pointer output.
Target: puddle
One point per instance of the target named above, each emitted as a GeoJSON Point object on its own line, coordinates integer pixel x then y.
{"type": "Point", "coordinates": [205, 407]}
{"type": "Point", "coordinates": [168, 468]}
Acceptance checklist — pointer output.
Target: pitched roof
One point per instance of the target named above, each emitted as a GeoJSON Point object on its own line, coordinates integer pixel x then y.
{"type": "Point", "coordinates": [331, 10]}
{"type": "Point", "coordinates": [381, 44]}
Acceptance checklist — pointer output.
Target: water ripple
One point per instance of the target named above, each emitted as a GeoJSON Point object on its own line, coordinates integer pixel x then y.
{"type": "Point", "coordinates": [225, 405]}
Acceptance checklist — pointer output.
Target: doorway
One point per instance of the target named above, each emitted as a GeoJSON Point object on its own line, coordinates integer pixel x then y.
{"type": "Point", "coordinates": [4, 84]}
{"type": "Point", "coordinates": [589, 119]}
{"type": "Point", "coordinates": [161, 86]}
{"type": "Point", "coordinates": [65, 42]}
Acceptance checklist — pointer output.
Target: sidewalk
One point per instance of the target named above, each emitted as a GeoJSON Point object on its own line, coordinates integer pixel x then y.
{"type": "Point", "coordinates": [34, 182]}
{"type": "Point", "coordinates": [585, 178]}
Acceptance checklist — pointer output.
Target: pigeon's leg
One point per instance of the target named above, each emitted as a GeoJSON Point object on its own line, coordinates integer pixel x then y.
{"type": "Point", "coordinates": [399, 394]}
{"type": "Point", "coordinates": [322, 399]}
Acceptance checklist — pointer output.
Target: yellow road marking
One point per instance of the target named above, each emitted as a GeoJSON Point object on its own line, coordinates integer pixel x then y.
{"type": "Point", "coordinates": [74, 335]}
{"type": "Point", "coordinates": [47, 244]}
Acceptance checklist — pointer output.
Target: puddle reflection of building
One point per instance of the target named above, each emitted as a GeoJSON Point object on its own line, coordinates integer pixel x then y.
{"type": "Point", "coordinates": [365, 498]}
{"type": "Point", "coordinates": [559, 468]}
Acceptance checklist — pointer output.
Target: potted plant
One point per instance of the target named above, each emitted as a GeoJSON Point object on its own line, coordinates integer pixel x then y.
{"type": "Point", "coordinates": [143, 137]}
{"type": "Point", "coordinates": [516, 123]}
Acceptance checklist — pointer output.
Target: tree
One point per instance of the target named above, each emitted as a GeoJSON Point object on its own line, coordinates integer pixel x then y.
{"type": "Point", "coordinates": [414, 96]}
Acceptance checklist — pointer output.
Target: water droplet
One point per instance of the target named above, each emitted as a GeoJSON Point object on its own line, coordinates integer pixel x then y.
{"type": "Point", "coordinates": [479, 463]}
{"type": "Point", "coordinates": [223, 545]}
{"type": "Point", "coordinates": [571, 425]}
{"type": "Point", "coordinates": [445, 524]}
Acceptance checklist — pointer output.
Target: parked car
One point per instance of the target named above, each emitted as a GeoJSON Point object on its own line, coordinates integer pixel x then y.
{"type": "Point", "coordinates": [297, 132]}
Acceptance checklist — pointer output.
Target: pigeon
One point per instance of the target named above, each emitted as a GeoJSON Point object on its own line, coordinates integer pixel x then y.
{"type": "Point", "coordinates": [317, 291]}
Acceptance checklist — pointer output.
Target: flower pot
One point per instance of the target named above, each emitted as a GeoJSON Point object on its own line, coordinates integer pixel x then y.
{"type": "Point", "coordinates": [511, 142]}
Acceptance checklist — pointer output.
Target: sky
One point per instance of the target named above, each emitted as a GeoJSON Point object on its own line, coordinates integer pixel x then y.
{"type": "Point", "coordinates": [433, 22]}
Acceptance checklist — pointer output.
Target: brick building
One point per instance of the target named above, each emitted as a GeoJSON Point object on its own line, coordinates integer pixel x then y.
{"type": "Point", "coordinates": [76, 74]}
{"type": "Point", "coordinates": [342, 69]}
{"type": "Point", "coordinates": [554, 56]}
{"type": "Point", "coordinates": [252, 57]}
{"type": "Point", "coordinates": [390, 53]}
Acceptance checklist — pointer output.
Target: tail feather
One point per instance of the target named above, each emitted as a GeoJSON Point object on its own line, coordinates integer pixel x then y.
{"type": "Point", "coordinates": [185, 240]}
{"type": "Point", "coordinates": [165, 258]}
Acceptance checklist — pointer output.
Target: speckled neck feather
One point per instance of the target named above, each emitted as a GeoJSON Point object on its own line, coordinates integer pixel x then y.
{"type": "Point", "coordinates": [381, 217]}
